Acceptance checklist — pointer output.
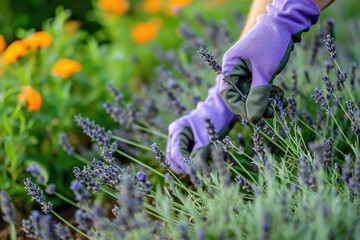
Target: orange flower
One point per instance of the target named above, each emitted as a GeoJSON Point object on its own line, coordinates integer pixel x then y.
{"type": "Point", "coordinates": [147, 31]}
{"type": "Point", "coordinates": [2, 43]}
{"type": "Point", "coordinates": [32, 97]}
{"type": "Point", "coordinates": [176, 5]}
{"type": "Point", "coordinates": [152, 6]}
{"type": "Point", "coordinates": [66, 67]}
{"type": "Point", "coordinates": [39, 39]}
{"type": "Point", "coordinates": [116, 7]}
{"type": "Point", "coordinates": [15, 50]}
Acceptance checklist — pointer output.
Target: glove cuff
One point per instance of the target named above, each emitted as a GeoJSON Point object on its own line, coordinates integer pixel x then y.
{"type": "Point", "coordinates": [296, 15]}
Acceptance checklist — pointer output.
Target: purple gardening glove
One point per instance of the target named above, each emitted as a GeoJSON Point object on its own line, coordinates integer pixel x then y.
{"type": "Point", "coordinates": [254, 61]}
{"type": "Point", "coordinates": [188, 136]}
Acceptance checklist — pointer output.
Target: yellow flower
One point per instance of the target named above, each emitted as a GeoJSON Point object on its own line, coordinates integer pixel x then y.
{"type": "Point", "coordinates": [32, 98]}
{"type": "Point", "coordinates": [152, 6]}
{"type": "Point", "coordinates": [2, 43]}
{"type": "Point", "coordinates": [39, 40]}
{"type": "Point", "coordinates": [15, 50]}
{"type": "Point", "coordinates": [116, 7]}
{"type": "Point", "coordinates": [144, 32]}
{"type": "Point", "coordinates": [66, 67]}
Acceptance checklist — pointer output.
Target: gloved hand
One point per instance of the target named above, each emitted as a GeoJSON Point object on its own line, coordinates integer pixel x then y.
{"type": "Point", "coordinates": [254, 61]}
{"type": "Point", "coordinates": [188, 136]}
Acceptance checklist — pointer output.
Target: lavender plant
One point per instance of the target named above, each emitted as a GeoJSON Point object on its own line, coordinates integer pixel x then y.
{"type": "Point", "coordinates": [297, 179]}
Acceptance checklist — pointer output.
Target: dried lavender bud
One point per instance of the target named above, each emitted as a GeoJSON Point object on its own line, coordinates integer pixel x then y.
{"type": "Point", "coordinates": [93, 130]}
{"type": "Point", "coordinates": [210, 127]}
{"type": "Point", "coordinates": [62, 232]}
{"type": "Point", "coordinates": [50, 189]}
{"type": "Point", "coordinates": [37, 195]}
{"type": "Point", "coordinates": [86, 177]}
{"type": "Point", "coordinates": [82, 196]}
{"type": "Point", "coordinates": [319, 99]}
{"type": "Point", "coordinates": [7, 208]}
{"type": "Point", "coordinates": [330, 46]}
{"type": "Point", "coordinates": [218, 156]}
{"type": "Point", "coordinates": [243, 183]}
{"type": "Point", "coordinates": [83, 220]}
{"type": "Point", "coordinates": [65, 143]}
{"type": "Point", "coordinates": [326, 157]}
{"type": "Point", "coordinates": [209, 58]}
{"type": "Point", "coordinates": [160, 156]}
{"type": "Point", "coordinates": [47, 229]}
{"type": "Point", "coordinates": [353, 74]}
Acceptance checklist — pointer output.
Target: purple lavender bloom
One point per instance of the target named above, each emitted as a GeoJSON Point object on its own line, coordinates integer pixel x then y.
{"type": "Point", "coordinates": [160, 156]}
{"type": "Point", "coordinates": [319, 99]}
{"type": "Point", "coordinates": [243, 183]}
{"type": "Point", "coordinates": [47, 229]}
{"type": "Point", "coordinates": [93, 130]}
{"type": "Point", "coordinates": [31, 226]}
{"type": "Point", "coordinates": [65, 143]}
{"type": "Point", "coordinates": [7, 208]}
{"type": "Point", "coordinates": [83, 220]}
{"type": "Point", "coordinates": [330, 46]}
{"type": "Point", "coordinates": [86, 177]}
{"type": "Point", "coordinates": [62, 232]}
{"type": "Point", "coordinates": [108, 174]}
{"type": "Point", "coordinates": [50, 189]}
{"type": "Point", "coordinates": [34, 170]}
{"type": "Point", "coordinates": [37, 195]}
{"type": "Point", "coordinates": [81, 194]}
{"type": "Point", "coordinates": [141, 176]}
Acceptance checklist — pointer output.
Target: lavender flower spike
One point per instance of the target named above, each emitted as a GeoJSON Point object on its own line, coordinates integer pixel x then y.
{"type": "Point", "coordinates": [160, 156]}
{"type": "Point", "coordinates": [65, 143]}
{"type": "Point", "coordinates": [37, 195]}
{"type": "Point", "coordinates": [7, 208]}
{"type": "Point", "coordinates": [93, 130]}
